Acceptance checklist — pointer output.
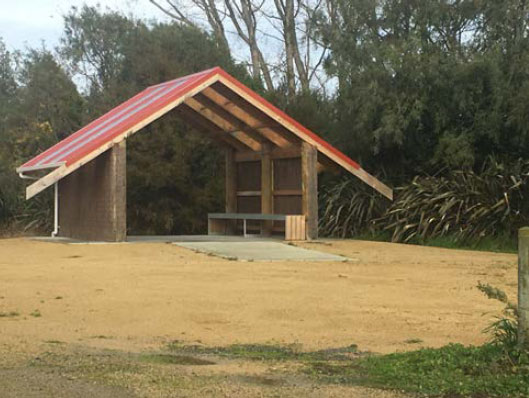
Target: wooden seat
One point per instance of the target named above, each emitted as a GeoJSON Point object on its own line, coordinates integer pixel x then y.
{"type": "Point", "coordinates": [294, 224]}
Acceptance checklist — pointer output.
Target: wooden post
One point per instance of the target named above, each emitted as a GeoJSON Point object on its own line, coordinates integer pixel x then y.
{"type": "Point", "coordinates": [309, 186]}
{"type": "Point", "coordinates": [523, 286]}
{"type": "Point", "coordinates": [231, 188]}
{"type": "Point", "coordinates": [267, 199]}
{"type": "Point", "coordinates": [119, 205]}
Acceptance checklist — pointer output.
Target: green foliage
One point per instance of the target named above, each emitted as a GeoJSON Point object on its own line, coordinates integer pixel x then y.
{"type": "Point", "coordinates": [463, 204]}
{"type": "Point", "coordinates": [423, 84]}
{"type": "Point", "coordinates": [426, 92]}
{"type": "Point", "coordinates": [504, 329]}
{"type": "Point", "coordinates": [450, 371]}
{"type": "Point", "coordinates": [348, 208]}
{"type": "Point", "coordinates": [31, 101]}
{"type": "Point", "coordinates": [497, 369]}
{"type": "Point", "coordinates": [460, 205]}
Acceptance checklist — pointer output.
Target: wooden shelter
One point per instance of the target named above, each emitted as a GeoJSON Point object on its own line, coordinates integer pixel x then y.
{"type": "Point", "coordinates": [272, 161]}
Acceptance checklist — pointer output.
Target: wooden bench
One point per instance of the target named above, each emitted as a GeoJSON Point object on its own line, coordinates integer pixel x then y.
{"type": "Point", "coordinates": [294, 224]}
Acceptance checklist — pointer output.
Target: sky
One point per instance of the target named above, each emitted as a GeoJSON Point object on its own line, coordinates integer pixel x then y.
{"type": "Point", "coordinates": [26, 23]}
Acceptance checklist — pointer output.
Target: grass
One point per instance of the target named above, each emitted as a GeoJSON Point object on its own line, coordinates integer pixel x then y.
{"type": "Point", "coordinates": [10, 314]}
{"type": "Point", "coordinates": [170, 359]}
{"type": "Point", "coordinates": [497, 244]}
{"type": "Point", "coordinates": [413, 341]}
{"type": "Point", "coordinates": [450, 371]}
{"type": "Point", "coordinates": [36, 314]}
{"type": "Point", "coordinates": [266, 352]}
{"type": "Point", "coordinates": [453, 371]}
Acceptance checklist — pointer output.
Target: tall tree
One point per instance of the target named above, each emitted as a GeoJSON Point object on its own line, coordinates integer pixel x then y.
{"type": "Point", "coordinates": [277, 34]}
{"type": "Point", "coordinates": [48, 93]}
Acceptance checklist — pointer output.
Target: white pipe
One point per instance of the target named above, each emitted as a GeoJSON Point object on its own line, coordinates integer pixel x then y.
{"type": "Point", "coordinates": [25, 177]}
{"type": "Point", "coordinates": [55, 211]}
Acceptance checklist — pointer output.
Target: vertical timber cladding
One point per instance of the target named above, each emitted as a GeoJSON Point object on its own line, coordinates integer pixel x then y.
{"type": "Point", "coordinates": [92, 200]}
{"type": "Point", "coordinates": [231, 189]}
{"type": "Point", "coordinates": [287, 188]}
{"type": "Point", "coordinates": [309, 182]}
{"type": "Point", "coordinates": [249, 191]}
{"type": "Point", "coordinates": [267, 199]}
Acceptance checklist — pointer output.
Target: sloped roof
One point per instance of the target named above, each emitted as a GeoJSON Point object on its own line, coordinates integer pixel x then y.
{"type": "Point", "coordinates": [211, 100]}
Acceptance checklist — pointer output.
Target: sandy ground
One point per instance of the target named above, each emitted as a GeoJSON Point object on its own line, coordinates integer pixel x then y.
{"type": "Point", "coordinates": [140, 296]}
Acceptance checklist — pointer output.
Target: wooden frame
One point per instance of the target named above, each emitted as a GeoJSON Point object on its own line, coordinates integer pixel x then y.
{"type": "Point", "coordinates": [250, 128]}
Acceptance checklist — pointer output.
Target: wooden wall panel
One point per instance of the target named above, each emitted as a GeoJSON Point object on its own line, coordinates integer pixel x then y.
{"type": "Point", "coordinates": [249, 177]}
{"type": "Point", "coordinates": [249, 204]}
{"type": "Point", "coordinates": [287, 205]}
{"type": "Point", "coordinates": [287, 173]}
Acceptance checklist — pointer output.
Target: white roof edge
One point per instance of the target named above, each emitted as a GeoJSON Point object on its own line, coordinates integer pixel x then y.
{"type": "Point", "coordinates": [40, 167]}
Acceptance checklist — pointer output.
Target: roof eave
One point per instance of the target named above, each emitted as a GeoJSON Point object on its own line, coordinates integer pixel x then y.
{"type": "Point", "coordinates": [25, 169]}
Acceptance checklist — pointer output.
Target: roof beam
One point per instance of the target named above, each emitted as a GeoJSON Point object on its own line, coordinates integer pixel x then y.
{"type": "Point", "coordinates": [276, 153]}
{"type": "Point", "coordinates": [229, 118]}
{"type": "Point", "coordinates": [247, 118]}
{"type": "Point", "coordinates": [199, 123]}
{"type": "Point", "coordinates": [223, 124]}
{"type": "Point", "coordinates": [255, 112]}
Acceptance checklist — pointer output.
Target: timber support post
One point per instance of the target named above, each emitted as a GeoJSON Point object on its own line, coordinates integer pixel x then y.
{"type": "Point", "coordinates": [267, 199]}
{"type": "Point", "coordinates": [231, 187]}
{"type": "Point", "coordinates": [309, 187]}
{"type": "Point", "coordinates": [523, 286]}
{"type": "Point", "coordinates": [93, 199]}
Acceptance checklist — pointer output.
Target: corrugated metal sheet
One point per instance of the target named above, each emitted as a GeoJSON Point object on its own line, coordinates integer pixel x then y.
{"type": "Point", "coordinates": [153, 102]}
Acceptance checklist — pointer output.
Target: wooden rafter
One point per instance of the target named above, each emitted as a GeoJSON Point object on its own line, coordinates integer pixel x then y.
{"type": "Point", "coordinates": [201, 124]}
{"type": "Point", "coordinates": [223, 124]}
{"type": "Point", "coordinates": [252, 111]}
{"type": "Point", "coordinates": [246, 118]}
{"type": "Point", "coordinates": [237, 124]}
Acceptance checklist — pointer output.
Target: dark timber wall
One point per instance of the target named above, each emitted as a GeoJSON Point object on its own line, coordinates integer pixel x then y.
{"type": "Point", "coordinates": [288, 185]}
{"type": "Point", "coordinates": [92, 200]}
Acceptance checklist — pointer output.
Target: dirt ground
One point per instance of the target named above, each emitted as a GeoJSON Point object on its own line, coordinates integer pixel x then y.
{"type": "Point", "coordinates": [138, 297]}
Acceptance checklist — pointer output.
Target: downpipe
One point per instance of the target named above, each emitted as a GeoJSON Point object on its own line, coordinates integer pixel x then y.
{"type": "Point", "coordinates": [55, 210]}
{"type": "Point", "coordinates": [55, 231]}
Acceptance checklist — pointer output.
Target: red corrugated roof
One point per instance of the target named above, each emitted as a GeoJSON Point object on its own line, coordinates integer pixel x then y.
{"type": "Point", "coordinates": [142, 105]}
{"type": "Point", "coordinates": [87, 143]}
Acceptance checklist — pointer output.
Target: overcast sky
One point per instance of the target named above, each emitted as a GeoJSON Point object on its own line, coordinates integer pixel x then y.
{"type": "Point", "coordinates": [29, 22]}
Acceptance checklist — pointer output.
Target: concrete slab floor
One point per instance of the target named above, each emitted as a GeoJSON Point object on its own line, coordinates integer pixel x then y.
{"type": "Point", "coordinates": [251, 248]}
{"type": "Point", "coordinates": [259, 251]}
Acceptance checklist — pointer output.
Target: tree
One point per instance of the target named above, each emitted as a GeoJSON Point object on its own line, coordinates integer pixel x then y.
{"type": "Point", "coordinates": [48, 94]}
{"type": "Point", "coordinates": [423, 85]}
{"type": "Point", "coordinates": [278, 36]}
